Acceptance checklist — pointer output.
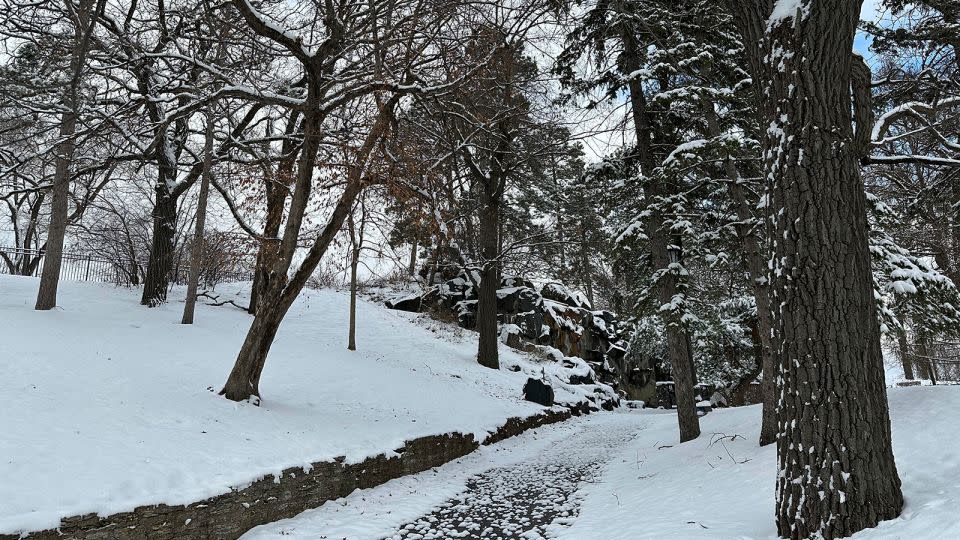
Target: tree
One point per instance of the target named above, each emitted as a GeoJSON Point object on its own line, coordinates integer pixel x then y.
{"type": "Point", "coordinates": [69, 26]}
{"type": "Point", "coordinates": [196, 251]}
{"type": "Point", "coordinates": [620, 30]}
{"type": "Point", "coordinates": [836, 472]}
{"type": "Point", "coordinates": [337, 72]}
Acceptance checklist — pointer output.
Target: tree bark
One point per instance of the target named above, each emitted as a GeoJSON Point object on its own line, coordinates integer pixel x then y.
{"type": "Point", "coordinates": [86, 17]}
{"type": "Point", "coordinates": [836, 472]}
{"type": "Point", "coordinates": [757, 271]}
{"type": "Point", "coordinates": [197, 248]}
{"type": "Point", "coordinates": [243, 383]}
{"type": "Point", "coordinates": [678, 346]}
{"type": "Point", "coordinates": [414, 246]}
{"type": "Point", "coordinates": [488, 349]}
{"type": "Point", "coordinates": [903, 348]}
{"type": "Point", "coordinates": [160, 263]}
{"type": "Point", "coordinates": [354, 262]}
{"type": "Point", "coordinates": [59, 206]}
{"type": "Point", "coordinates": [277, 189]}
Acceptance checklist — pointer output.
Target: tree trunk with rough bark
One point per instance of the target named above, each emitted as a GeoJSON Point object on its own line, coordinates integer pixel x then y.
{"type": "Point", "coordinates": [160, 263]}
{"type": "Point", "coordinates": [487, 351]}
{"type": "Point", "coordinates": [836, 472]}
{"type": "Point", "coordinates": [243, 383]}
{"type": "Point", "coordinates": [197, 248]}
{"type": "Point", "coordinates": [757, 271]}
{"type": "Point", "coordinates": [678, 344]}
{"type": "Point", "coordinates": [86, 17]}
{"type": "Point", "coordinates": [59, 206]}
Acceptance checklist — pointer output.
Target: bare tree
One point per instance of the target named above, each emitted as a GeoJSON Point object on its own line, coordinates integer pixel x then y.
{"type": "Point", "coordinates": [196, 254]}
{"type": "Point", "coordinates": [337, 71]}
{"type": "Point", "coordinates": [82, 17]}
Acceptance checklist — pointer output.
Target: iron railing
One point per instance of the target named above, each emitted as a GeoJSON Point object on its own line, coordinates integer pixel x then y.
{"type": "Point", "coordinates": [94, 268]}
{"type": "Point", "coordinates": [73, 266]}
{"type": "Point", "coordinates": [936, 361]}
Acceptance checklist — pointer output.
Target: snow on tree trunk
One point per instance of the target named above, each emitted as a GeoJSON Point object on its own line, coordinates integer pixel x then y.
{"type": "Point", "coordinates": [836, 472]}
{"type": "Point", "coordinates": [661, 254]}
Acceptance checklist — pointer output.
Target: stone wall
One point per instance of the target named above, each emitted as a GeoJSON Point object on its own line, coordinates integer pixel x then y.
{"type": "Point", "coordinates": [228, 516]}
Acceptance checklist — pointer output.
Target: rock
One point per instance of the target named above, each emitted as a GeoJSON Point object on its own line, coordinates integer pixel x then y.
{"type": "Point", "coordinates": [515, 281]}
{"type": "Point", "coordinates": [510, 336]}
{"type": "Point", "coordinates": [665, 397]}
{"type": "Point", "coordinates": [530, 324]}
{"type": "Point", "coordinates": [406, 303]}
{"type": "Point", "coordinates": [466, 311]}
{"type": "Point", "coordinates": [538, 391]}
{"type": "Point", "coordinates": [703, 407]}
{"type": "Point", "coordinates": [559, 292]}
{"type": "Point", "coordinates": [581, 379]}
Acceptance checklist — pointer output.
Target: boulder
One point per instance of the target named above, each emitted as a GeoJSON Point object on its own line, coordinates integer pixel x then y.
{"type": "Point", "coordinates": [703, 407]}
{"type": "Point", "coordinates": [515, 281]}
{"type": "Point", "coordinates": [510, 336]}
{"type": "Point", "coordinates": [538, 391]}
{"type": "Point", "coordinates": [411, 303]}
{"type": "Point", "coordinates": [559, 292]}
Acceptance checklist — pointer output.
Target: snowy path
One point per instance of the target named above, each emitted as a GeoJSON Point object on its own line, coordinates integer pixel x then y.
{"type": "Point", "coordinates": [514, 489]}
{"type": "Point", "coordinates": [521, 500]}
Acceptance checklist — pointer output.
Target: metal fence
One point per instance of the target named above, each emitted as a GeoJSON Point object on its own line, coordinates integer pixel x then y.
{"type": "Point", "coordinates": [938, 361]}
{"type": "Point", "coordinates": [96, 268]}
{"type": "Point", "coordinates": [73, 267]}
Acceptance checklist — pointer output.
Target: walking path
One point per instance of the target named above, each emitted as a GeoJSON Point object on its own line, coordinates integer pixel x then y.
{"type": "Point", "coordinates": [514, 489]}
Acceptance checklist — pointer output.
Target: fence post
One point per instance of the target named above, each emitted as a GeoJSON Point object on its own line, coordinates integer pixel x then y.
{"type": "Point", "coordinates": [86, 274]}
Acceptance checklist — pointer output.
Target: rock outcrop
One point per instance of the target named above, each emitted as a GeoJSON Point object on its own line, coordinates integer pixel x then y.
{"type": "Point", "coordinates": [552, 316]}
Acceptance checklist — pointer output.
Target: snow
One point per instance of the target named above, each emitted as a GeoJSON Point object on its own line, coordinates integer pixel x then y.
{"type": "Point", "coordinates": [649, 487]}
{"type": "Point", "coordinates": [109, 405]}
{"type": "Point", "coordinates": [107, 408]}
{"type": "Point", "coordinates": [523, 464]}
{"type": "Point", "coordinates": [721, 485]}
{"type": "Point", "coordinates": [787, 9]}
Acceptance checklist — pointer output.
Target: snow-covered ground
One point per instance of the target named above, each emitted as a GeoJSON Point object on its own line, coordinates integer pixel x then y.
{"type": "Point", "coordinates": [108, 405]}
{"type": "Point", "coordinates": [719, 486]}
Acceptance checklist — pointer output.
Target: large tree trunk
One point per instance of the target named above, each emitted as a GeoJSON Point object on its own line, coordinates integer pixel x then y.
{"type": "Point", "coordinates": [678, 344]}
{"type": "Point", "coordinates": [160, 264]}
{"type": "Point", "coordinates": [487, 352]}
{"type": "Point", "coordinates": [196, 252]}
{"type": "Point", "coordinates": [836, 472]}
{"type": "Point", "coordinates": [244, 379]}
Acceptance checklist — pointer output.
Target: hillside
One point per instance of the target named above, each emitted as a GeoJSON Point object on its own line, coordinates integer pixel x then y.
{"type": "Point", "coordinates": [110, 405]}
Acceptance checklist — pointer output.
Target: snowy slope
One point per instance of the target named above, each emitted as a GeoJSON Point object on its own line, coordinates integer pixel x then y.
{"type": "Point", "coordinates": [108, 405]}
